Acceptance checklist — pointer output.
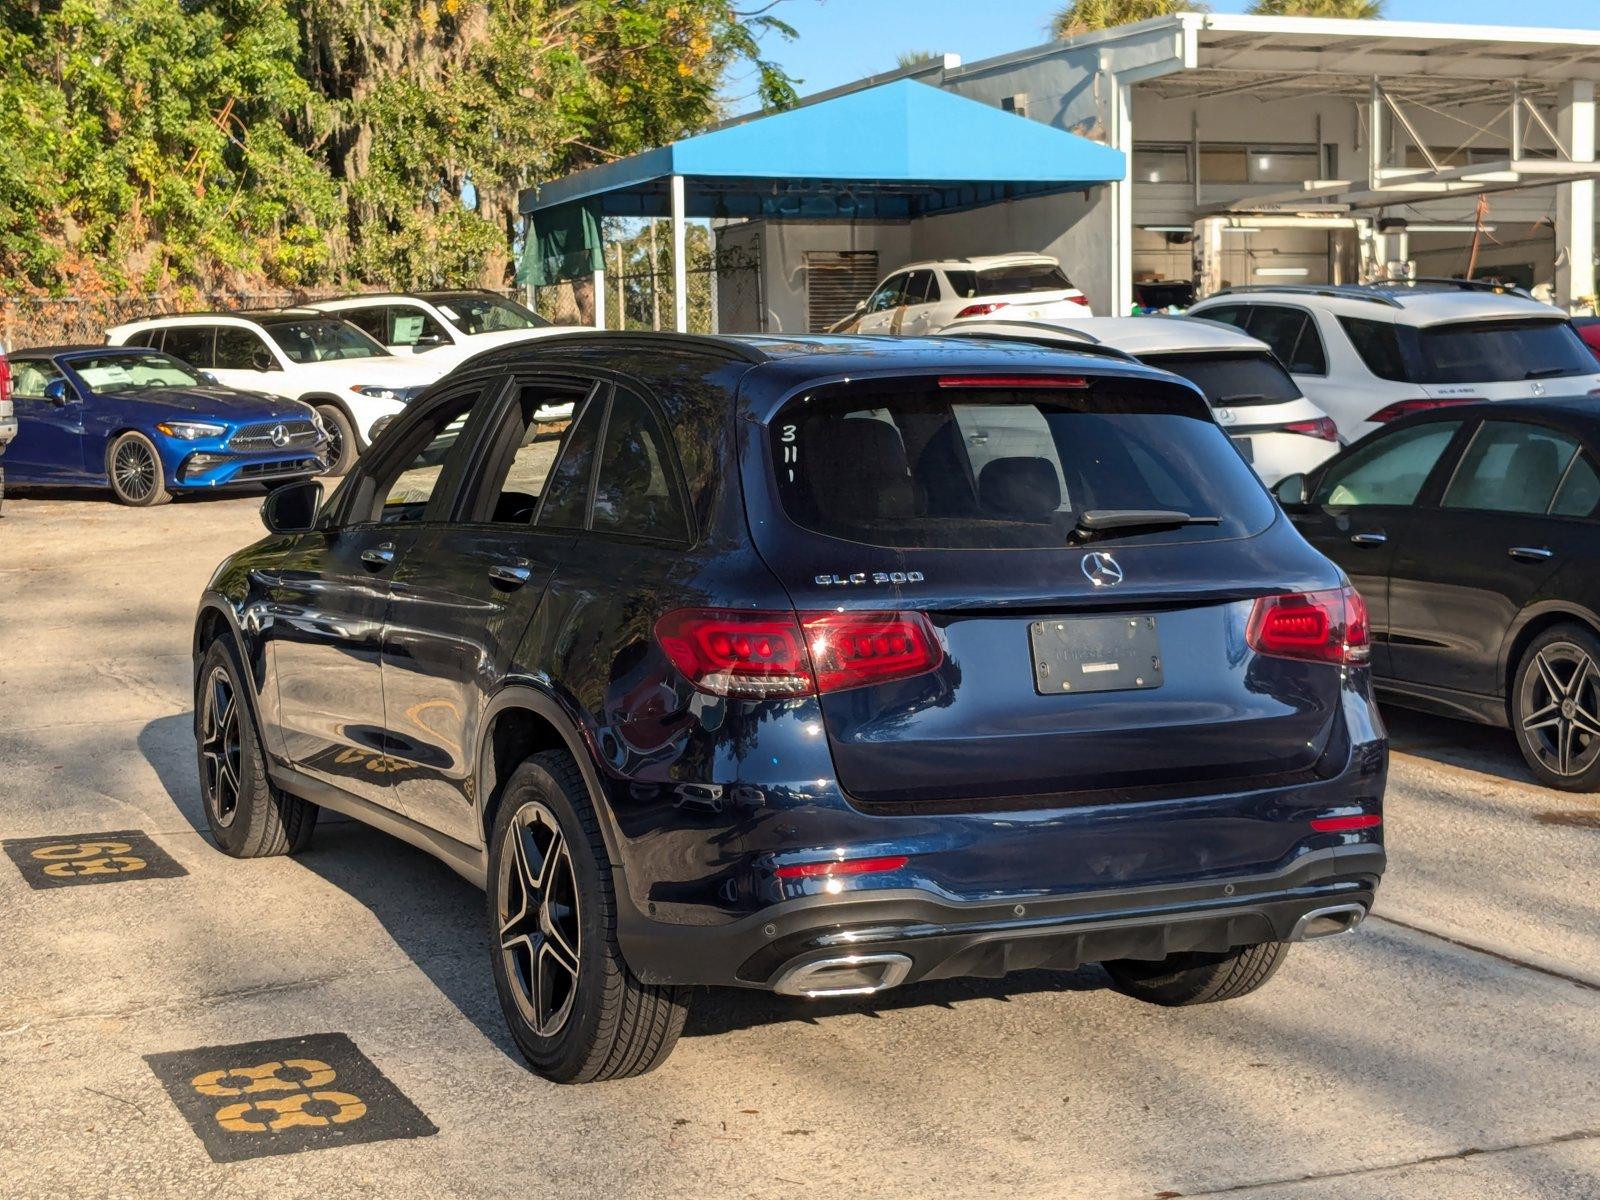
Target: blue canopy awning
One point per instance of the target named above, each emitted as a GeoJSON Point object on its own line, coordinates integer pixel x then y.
{"type": "Point", "coordinates": [894, 152]}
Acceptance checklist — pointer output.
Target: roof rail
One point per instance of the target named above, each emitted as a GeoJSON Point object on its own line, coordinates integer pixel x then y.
{"type": "Point", "coordinates": [1339, 291]}
{"type": "Point", "coordinates": [1496, 286]}
{"type": "Point", "coordinates": [711, 344]}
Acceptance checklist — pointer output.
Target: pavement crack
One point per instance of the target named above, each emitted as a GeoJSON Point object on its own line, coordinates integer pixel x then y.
{"type": "Point", "coordinates": [1550, 970]}
{"type": "Point", "coordinates": [1239, 1189]}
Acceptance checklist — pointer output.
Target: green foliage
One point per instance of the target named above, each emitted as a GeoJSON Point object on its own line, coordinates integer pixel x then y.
{"type": "Point", "coordinates": [1355, 10]}
{"type": "Point", "coordinates": [1084, 16]}
{"type": "Point", "coordinates": [155, 144]}
{"type": "Point", "coordinates": [911, 58]}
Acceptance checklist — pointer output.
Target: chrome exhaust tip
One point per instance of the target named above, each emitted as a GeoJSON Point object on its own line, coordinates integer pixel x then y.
{"type": "Point", "coordinates": [1328, 922]}
{"type": "Point", "coordinates": [846, 975]}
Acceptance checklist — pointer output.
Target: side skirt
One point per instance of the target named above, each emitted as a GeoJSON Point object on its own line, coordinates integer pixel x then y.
{"type": "Point", "coordinates": [1465, 706]}
{"type": "Point", "coordinates": [469, 862]}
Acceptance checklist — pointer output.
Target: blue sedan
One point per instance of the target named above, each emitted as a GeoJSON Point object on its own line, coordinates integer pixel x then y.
{"type": "Point", "coordinates": [149, 425]}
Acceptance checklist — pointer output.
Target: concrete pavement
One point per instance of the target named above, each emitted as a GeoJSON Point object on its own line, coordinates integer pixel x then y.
{"type": "Point", "coordinates": [1452, 1051]}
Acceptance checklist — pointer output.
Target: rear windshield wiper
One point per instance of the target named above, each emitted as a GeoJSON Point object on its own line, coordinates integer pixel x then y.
{"type": "Point", "coordinates": [1241, 398]}
{"type": "Point", "coordinates": [1102, 522]}
{"type": "Point", "coordinates": [1545, 372]}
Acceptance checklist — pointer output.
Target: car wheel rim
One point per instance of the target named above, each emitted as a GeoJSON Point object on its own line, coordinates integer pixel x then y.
{"type": "Point", "coordinates": [1560, 709]}
{"type": "Point", "coordinates": [134, 471]}
{"type": "Point", "coordinates": [221, 747]}
{"type": "Point", "coordinates": [335, 443]}
{"type": "Point", "coordinates": [537, 906]}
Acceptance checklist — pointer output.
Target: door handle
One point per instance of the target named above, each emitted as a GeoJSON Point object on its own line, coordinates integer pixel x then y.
{"type": "Point", "coordinates": [379, 556]}
{"type": "Point", "coordinates": [1369, 539]}
{"type": "Point", "coordinates": [511, 574]}
{"type": "Point", "coordinates": [1531, 553]}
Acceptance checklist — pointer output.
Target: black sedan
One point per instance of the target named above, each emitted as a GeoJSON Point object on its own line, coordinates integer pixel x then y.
{"type": "Point", "coordinates": [1472, 532]}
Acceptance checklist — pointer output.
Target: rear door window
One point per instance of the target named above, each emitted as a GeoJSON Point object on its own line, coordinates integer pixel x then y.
{"type": "Point", "coordinates": [921, 288]}
{"type": "Point", "coordinates": [191, 343]}
{"type": "Point", "coordinates": [240, 349]}
{"type": "Point", "coordinates": [1390, 470]}
{"type": "Point", "coordinates": [1378, 344]}
{"type": "Point", "coordinates": [1292, 334]}
{"type": "Point", "coordinates": [917, 465]}
{"type": "Point", "coordinates": [1579, 492]}
{"type": "Point", "coordinates": [1511, 467]}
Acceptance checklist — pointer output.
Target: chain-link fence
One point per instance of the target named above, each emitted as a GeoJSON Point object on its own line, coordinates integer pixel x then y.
{"type": "Point", "coordinates": [724, 294]}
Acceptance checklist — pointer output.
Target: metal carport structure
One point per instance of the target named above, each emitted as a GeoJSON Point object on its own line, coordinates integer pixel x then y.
{"type": "Point", "coordinates": [900, 151]}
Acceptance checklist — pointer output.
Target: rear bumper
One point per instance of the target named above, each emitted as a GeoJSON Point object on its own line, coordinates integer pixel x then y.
{"type": "Point", "coordinates": [913, 935]}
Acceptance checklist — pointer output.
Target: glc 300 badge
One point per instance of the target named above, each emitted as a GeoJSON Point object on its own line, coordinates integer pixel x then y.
{"type": "Point", "coordinates": [861, 578]}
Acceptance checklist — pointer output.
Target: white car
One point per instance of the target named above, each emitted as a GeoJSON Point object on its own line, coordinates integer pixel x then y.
{"type": "Point", "coordinates": [925, 297]}
{"type": "Point", "coordinates": [1277, 430]}
{"type": "Point", "coordinates": [445, 326]}
{"type": "Point", "coordinates": [1369, 353]}
{"type": "Point", "coordinates": [355, 385]}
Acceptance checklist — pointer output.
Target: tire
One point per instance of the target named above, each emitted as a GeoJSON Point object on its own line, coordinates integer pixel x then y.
{"type": "Point", "coordinates": [1555, 708]}
{"type": "Point", "coordinates": [1198, 978]}
{"type": "Point", "coordinates": [248, 816]}
{"type": "Point", "coordinates": [134, 468]}
{"type": "Point", "coordinates": [598, 1021]}
{"type": "Point", "coordinates": [342, 444]}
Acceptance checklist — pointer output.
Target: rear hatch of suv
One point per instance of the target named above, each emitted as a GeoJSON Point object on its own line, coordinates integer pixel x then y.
{"type": "Point", "coordinates": [1003, 608]}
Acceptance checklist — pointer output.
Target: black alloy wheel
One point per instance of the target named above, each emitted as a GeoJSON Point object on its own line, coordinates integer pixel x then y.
{"type": "Point", "coordinates": [1556, 708]}
{"type": "Point", "coordinates": [135, 471]}
{"type": "Point", "coordinates": [220, 747]}
{"type": "Point", "coordinates": [541, 938]}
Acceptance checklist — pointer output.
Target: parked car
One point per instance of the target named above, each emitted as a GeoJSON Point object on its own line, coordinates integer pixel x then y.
{"type": "Point", "coordinates": [355, 385]}
{"type": "Point", "coordinates": [1252, 397]}
{"type": "Point", "coordinates": [448, 326]}
{"type": "Point", "coordinates": [1369, 354]}
{"type": "Point", "coordinates": [925, 297]}
{"type": "Point", "coordinates": [8, 419]}
{"type": "Point", "coordinates": [755, 682]}
{"type": "Point", "coordinates": [146, 425]}
{"type": "Point", "coordinates": [1472, 533]}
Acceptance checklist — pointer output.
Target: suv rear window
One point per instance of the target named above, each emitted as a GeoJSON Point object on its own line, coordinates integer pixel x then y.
{"type": "Point", "coordinates": [916, 465]}
{"type": "Point", "coordinates": [1234, 380]}
{"type": "Point", "coordinates": [1008, 281]}
{"type": "Point", "coordinates": [1500, 351]}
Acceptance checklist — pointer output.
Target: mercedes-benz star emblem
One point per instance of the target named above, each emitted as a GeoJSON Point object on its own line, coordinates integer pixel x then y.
{"type": "Point", "coordinates": [279, 436]}
{"type": "Point", "coordinates": [1101, 570]}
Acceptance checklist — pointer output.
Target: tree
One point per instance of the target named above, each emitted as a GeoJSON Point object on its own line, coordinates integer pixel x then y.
{"type": "Point", "coordinates": [911, 58]}
{"type": "Point", "coordinates": [1355, 10]}
{"type": "Point", "coordinates": [1084, 16]}
{"type": "Point", "coordinates": [153, 145]}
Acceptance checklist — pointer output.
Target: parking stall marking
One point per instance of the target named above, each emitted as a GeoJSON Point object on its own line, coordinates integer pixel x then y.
{"type": "Point", "coordinates": [285, 1096]}
{"type": "Point", "coordinates": [115, 857]}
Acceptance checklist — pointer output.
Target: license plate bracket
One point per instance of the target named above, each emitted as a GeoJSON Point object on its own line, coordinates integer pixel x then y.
{"type": "Point", "coordinates": [1072, 655]}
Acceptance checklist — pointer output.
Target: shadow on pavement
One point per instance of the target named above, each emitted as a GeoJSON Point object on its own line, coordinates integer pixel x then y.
{"type": "Point", "coordinates": [438, 921]}
{"type": "Point", "coordinates": [1466, 744]}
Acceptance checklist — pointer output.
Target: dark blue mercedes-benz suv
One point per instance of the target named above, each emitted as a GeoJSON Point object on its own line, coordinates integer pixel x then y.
{"type": "Point", "coordinates": [820, 665]}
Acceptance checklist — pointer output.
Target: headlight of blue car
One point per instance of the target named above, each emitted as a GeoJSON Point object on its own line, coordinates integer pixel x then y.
{"type": "Point", "coordinates": [191, 431]}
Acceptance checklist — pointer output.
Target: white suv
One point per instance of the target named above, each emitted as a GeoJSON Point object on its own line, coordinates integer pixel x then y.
{"type": "Point", "coordinates": [1369, 353]}
{"type": "Point", "coordinates": [355, 385]}
{"type": "Point", "coordinates": [925, 297]}
{"type": "Point", "coordinates": [446, 326]}
{"type": "Point", "coordinates": [1277, 430]}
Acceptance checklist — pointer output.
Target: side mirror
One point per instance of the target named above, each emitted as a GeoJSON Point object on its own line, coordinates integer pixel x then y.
{"type": "Point", "coordinates": [1291, 490]}
{"type": "Point", "coordinates": [293, 507]}
{"type": "Point", "coordinates": [207, 377]}
{"type": "Point", "coordinates": [861, 306]}
{"type": "Point", "coordinates": [57, 392]}
{"type": "Point", "coordinates": [260, 360]}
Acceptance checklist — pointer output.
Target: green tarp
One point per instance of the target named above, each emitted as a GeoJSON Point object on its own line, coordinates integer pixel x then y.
{"type": "Point", "coordinates": [560, 243]}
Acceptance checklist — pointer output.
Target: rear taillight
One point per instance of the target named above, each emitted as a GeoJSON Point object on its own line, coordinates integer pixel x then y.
{"type": "Point", "coordinates": [1319, 427]}
{"type": "Point", "coordinates": [981, 310]}
{"type": "Point", "coordinates": [1329, 626]}
{"type": "Point", "coordinates": [5, 379]}
{"type": "Point", "coordinates": [775, 655]}
{"type": "Point", "coordinates": [1404, 408]}
{"type": "Point", "coordinates": [1080, 298]}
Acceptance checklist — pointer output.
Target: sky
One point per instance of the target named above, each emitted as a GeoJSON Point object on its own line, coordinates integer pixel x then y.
{"type": "Point", "coordinates": [844, 40]}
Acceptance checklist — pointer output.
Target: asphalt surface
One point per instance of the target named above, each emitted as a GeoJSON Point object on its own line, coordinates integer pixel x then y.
{"type": "Point", "coordinates": [1451, 1047]}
